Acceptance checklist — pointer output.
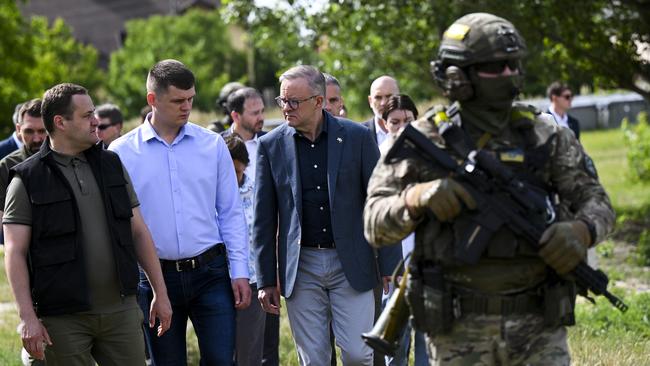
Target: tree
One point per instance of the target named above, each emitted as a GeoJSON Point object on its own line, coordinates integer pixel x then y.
{"type": "Point", "coordinates": [595, 43]}
{"type": "Point", "coordinates": [35, 56]}
{"type": "Point", "coordinates": [197, 38]}
{"type": "Point", "coordinates": [60, 58]}
{"type": "Point", "coordinates": [15, 57]}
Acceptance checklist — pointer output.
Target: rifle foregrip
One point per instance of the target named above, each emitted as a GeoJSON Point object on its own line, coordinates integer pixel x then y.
{"type": "Point", "coordinates": [596, 281]}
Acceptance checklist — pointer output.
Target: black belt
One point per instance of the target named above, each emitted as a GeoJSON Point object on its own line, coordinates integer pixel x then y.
{"type": "Point", "coordinates": [189, 264]}
{"type": "Point", "coordinates": [501, 305]}
{"type": "Point", "coordinates": [320, 246]}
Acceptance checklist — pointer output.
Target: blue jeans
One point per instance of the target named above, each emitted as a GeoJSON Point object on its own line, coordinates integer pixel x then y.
{"type": "Point", "coordinates": [204, 295]}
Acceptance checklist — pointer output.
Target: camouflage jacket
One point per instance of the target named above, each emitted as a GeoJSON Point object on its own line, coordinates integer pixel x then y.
{"type": "Point", "coordinates": [508, 264]}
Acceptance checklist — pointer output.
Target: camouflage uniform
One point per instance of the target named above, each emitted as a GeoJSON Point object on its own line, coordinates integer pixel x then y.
{"type": "Point", "coordinates": [488, 339]}
{"type": "Point", "coordinates": [510, 307]}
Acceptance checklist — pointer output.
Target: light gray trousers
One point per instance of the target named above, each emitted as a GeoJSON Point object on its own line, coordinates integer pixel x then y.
{"type": "Point", "coordinates": [322, 294]}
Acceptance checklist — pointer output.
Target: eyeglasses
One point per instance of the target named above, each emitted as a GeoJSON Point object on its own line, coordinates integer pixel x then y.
{"type": "Point", "coordinates": [104, 126]}
{"type": "Point", "coordinates": [497, 67]}
{"type": "Point", "coordinates": [567, 96]}
{"type": "Point", "coordinates": [293, 103]}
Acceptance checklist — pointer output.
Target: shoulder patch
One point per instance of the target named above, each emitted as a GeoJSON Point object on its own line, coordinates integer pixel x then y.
{"type": "Point", "coordinates": [590, 167]}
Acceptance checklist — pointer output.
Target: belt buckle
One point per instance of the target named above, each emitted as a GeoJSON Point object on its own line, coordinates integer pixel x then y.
{"type": "Point", "coordinates": [191, 261]}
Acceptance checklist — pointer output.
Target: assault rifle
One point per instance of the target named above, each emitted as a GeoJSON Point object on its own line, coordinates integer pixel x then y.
{"type": "Point", "coordinates": [501, 198]}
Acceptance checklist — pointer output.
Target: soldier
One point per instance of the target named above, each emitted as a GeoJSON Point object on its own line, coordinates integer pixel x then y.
{"type": "Point", "coordinates": [512, 305]}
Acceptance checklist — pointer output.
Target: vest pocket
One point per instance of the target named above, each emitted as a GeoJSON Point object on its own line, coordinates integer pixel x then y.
{"type": "Point", "coordinates": [53, 214]}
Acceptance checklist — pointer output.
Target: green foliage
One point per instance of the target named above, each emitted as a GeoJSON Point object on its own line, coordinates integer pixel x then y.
{"type": "Point", "coordinates": [590, 43]}
{"type": "Point", "coordinates": [638, 139]}
{"type": "Point", "coordinates": [606, 249]}
{"type": "Point", "coordinates": [604, 319]}
{"type": "Point", "coordinates": [643, 248]}
{"type": "Point", "coordinates": [60, 58]}
{"type": "Point", "coordinates": [197, 38]}
{"type": "Point", "coordinates": [15, 57]}
{"type": "Point", "coordinates": [35, 56]}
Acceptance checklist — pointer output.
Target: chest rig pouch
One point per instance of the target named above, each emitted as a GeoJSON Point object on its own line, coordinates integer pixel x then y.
{"type": "Point", "coordinates": [430, 299]}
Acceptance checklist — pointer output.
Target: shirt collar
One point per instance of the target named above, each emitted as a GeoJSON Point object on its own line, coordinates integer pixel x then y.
{"type": "Point", "coordinates": [232, 132]}
{"type": "Point", "coordinates": [148, 132]}
{"type": "Point", "coordinates": [324, 126]}
{"type": "Point", "coordinates": [557, 117]}
{"type": "Point", "coordinates": [16, 139]}
{"type": "Point", "coordinates": [380, 131]}
{"type": "Point", "coordinates": [66, 160]}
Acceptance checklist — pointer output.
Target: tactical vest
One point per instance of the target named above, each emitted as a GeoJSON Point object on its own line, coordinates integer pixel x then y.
{"type": "Point", "coordinates": [56, 257]}
{"type": "Point", "coordinates": [527, 157]}
{"type": "Point", "coordinates": [436, 289]}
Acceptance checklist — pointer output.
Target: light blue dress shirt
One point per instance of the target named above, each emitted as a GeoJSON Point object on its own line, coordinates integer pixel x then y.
{"type": "Point", "coordinates": [188, 192]}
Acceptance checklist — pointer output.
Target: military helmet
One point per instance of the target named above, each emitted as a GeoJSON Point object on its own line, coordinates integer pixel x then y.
{"type": "Point", "coordinates": [476, 38]}
{"type": "Point", "coordinates": [226, 90]}
{"type": "Point", "coordinates": [480, 38]}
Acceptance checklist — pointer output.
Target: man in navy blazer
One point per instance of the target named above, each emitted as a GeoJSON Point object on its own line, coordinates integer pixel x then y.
{"type": "Point", "coordinates": [312, 175]}
{"type": "Point", "coordinates": [13, 142]}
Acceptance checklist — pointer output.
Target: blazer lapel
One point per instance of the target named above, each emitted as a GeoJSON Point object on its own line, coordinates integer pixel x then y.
{"type": "Point", "coordinates": [290, 163]}
{"type": "Point", "coordinates": [335, 143]}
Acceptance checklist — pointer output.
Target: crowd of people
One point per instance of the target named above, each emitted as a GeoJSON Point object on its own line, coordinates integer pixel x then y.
{"type": "Point", "coordinates": [114, 241]}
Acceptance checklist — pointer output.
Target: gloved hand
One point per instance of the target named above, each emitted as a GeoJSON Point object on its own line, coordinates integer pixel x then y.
{"type": "Point", "coordinates": [564, 245]}
{"type": "Point", "coordinates": [442, 196]}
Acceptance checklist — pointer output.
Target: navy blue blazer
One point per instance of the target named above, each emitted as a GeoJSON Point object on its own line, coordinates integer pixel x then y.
{"type": "Point", "coordinates": [7, 146]}
{"type": "Point", "coordinates": [352, 156]}
{"type": "Point", "coordinates": [371, 126]}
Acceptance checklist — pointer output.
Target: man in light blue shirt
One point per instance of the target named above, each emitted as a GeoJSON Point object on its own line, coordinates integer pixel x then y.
{"type": "Point", "coordinates": [187, 186]}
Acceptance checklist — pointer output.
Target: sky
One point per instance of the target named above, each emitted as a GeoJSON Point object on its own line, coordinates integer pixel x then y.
{"type": "Point", "coordinates": [313, 6]}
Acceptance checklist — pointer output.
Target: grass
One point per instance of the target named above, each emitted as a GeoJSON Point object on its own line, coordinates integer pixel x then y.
{"type": "Point", "coordinates": [602, 337]}
{"type": "Point", "coordinates": [608, 151]}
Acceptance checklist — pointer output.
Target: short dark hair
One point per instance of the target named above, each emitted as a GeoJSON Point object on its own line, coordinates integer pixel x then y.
{"type": "Point", "coordinates": [110, 111]}
{"type": "Point", "coordinates": [237, 148]}
{"type": "Point", "coordinates": [58, 101]}
{"type": "Point", "coordinates": [237, 99]}
{"type": "Point", "coordinates": [400, 101]}
{"type": "Point", "coordinates": [556, 88]}
{"type": "Point", "coordinates": [169, 72]}
{"type": "Point", "coordinates": [31, 108]}
{"type": "Point", "coordinates": [331, 80]}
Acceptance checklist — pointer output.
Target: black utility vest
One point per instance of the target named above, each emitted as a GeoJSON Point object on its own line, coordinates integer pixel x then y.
{"type": "Point", "coordinates": [56, 257]}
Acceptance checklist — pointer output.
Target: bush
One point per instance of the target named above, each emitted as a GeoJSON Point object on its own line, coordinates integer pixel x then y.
{"type": "Point", "coordinates": [643, 249]}
{"type": "Point", "coordinates": [637, 138]}
{"type": "Point", "coordinates": [198, 38]}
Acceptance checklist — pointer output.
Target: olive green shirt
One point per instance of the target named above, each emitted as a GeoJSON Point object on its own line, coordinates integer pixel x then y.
{"type": "Point", "coordinates": [101, 271]}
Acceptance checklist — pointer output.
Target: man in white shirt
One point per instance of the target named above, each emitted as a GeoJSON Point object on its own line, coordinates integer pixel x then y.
{"type": "Point", "coordinates": [561, 97]}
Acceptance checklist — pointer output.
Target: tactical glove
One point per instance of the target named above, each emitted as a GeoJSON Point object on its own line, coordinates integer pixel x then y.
{"type": "Point", "coordinates": [442, 196]}
{"type": "Point", "coordinates": [564, 245]}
